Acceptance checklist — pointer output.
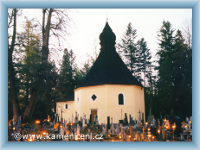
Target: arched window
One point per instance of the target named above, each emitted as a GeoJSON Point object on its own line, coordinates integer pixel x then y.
{"type": "Point", "coordinates": [121, 99]}
{"type": "Point", "coordinates": [66, 106]}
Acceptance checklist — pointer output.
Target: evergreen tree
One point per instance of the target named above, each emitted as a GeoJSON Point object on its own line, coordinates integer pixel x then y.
{"type": "Point", "coordinates": [174, 70]}
{"type": "Point", "coordinates": [128, 49]}
{"type": "Point", "coordinates": [165, 53]}
{"type": "Point", "coordinates": [28, 65]}
{"type": "Point", "coordinates": [144, 62]}
{"type": "Point", "coordinates": [81, 73]}
{"type": "Point", "coordinates": [182, 75]}
{"type": "Point", "coordinates": [137, 57]}
{"type": "Point", "coordinates": [66, 83]}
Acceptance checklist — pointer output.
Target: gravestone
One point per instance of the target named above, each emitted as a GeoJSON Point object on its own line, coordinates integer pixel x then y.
{"type": "Point", "coordinates": [78, 130]}
{"type": "Point", "coordinates": [64, 123]}
{"type": "Point", "coordinates": [108, 122]}
{"type": "Point", "coordinates": [109, 131]}
{"type": "Point", "coordinates": [49, 118]}
{"type": "Point", "coordinates": [189, 125]}
{"type": "Point", "coordinates": [76, 118]}
{"type": "Point", "coordinates": [113, 130]}
{"type": "Point", "coordinates": [128, 139]}
{"type": "Point", "coordinates": [61, 129]}
{"type": "Point", "coordinates": [18, 124]}
{"type": "Point", "coordinates": [83, 122]}
{"type": "Point", "coordinates": [105, 129]}
{"type": "Point", "coordinates": [143, 129]}
{"type": "Point", "coordinates": [142, 136]}
{"type": "Point", "coordinates": [132, 121]}
{"type": "Point", "coordinates": [56, 119]}
{"type": "Point", "coordinates": [158, 122]}
{"type": "Point", "coordinates": [150, 113]}
{"type": "Point", "coordinates": [97, 122]}
{"type": "Point", "coordinates": [138, 122]}
{"type": "Point", "coordinates": [124, 135]}
{"type": "Point", "coordinates": [90, 118]}
{"type": "Point", "coordinates": [164, 134]}
{"type": "Point", "coordinates": [142, 118]}
{"type": "Point", "coordinates": [130, 118]}
{"type": "Point", "coordinates": [81, 119]}
{"type": "Point", "coordinates": [182, 136]}
{"type": "Point", "coordinates": [131, 130]}
{"type": "Point", "coordinates": [139, 115]}
{"type": "Point", "coordinates": [136, 136]}
{"type": "Point", "coordinates": [121, 129]}
{"type": "Point", "coordinates": [91, 137]}
{"type": "Point", "coordinates": [187, 120]}
{"type": "Point", "coordinates": [125, 119]}
{"type": "Point", "coordinates": [117, 129]}
{"type": "Point", "coordinates": [95, 118]}
{"type": "Point", "coordinates": [167, 123]}
{"type": "Point", "coordinates": [154, 121]}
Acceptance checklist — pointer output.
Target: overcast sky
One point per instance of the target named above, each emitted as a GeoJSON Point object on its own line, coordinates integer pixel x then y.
{"type": "Point", "coordinates": [88, 24]}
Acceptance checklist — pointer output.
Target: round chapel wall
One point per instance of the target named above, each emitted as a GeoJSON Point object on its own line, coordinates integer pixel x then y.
{"type": "Point", "coordinates": [110, 100]}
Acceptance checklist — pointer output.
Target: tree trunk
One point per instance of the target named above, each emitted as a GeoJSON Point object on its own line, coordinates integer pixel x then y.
{"type": "Point", "coordinates": [27, 115]}
{"type": "Point", "coordinates": [11, 73]}
{"type": "Point", "coordinates": [41, 71]}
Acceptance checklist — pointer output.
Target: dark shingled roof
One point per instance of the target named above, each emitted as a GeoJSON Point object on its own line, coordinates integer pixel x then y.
{"type": "Point", "coordinates": [108, 67]}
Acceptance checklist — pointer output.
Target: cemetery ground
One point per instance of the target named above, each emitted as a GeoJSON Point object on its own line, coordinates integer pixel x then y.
{"type": "Point", "coordinates": [83, 130]}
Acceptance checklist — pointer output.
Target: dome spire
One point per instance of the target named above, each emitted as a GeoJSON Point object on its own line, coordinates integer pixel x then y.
{"type": "Point", "coordinates": [107, 37]}
{"type": "Point", "coordinates": [108, 67]}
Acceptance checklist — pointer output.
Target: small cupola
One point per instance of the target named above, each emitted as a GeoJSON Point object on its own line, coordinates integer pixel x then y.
{"type": "Point", "coordinates": [107, 38]}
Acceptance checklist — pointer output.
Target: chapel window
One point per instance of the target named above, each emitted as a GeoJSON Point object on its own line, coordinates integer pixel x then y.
{"type": "Point", "coordinates": [121, 99]}
{"type": "Point", "coordinates": [93, 97]}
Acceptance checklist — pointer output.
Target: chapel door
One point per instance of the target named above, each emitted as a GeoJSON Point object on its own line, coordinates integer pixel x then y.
{"type": "Point", "coordinates": [94, 113]}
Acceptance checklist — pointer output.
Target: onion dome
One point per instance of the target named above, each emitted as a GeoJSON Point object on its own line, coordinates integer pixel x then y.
{"type": "Point", "coordinates": [107, 37]}
{"type": "Point", "coordinates": [108, 67]}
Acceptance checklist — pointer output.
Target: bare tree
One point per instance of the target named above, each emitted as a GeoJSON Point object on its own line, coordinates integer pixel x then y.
{"type": "Point", "coordinates": [187, 32]}
{"type": "Point", "coordinates": [11, 71]}
{"type": "Point", "coordinates": [53, 23]}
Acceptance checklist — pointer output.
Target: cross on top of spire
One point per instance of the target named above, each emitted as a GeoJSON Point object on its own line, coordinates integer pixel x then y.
{"type": "Point", "coordinates": [106, 17]}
